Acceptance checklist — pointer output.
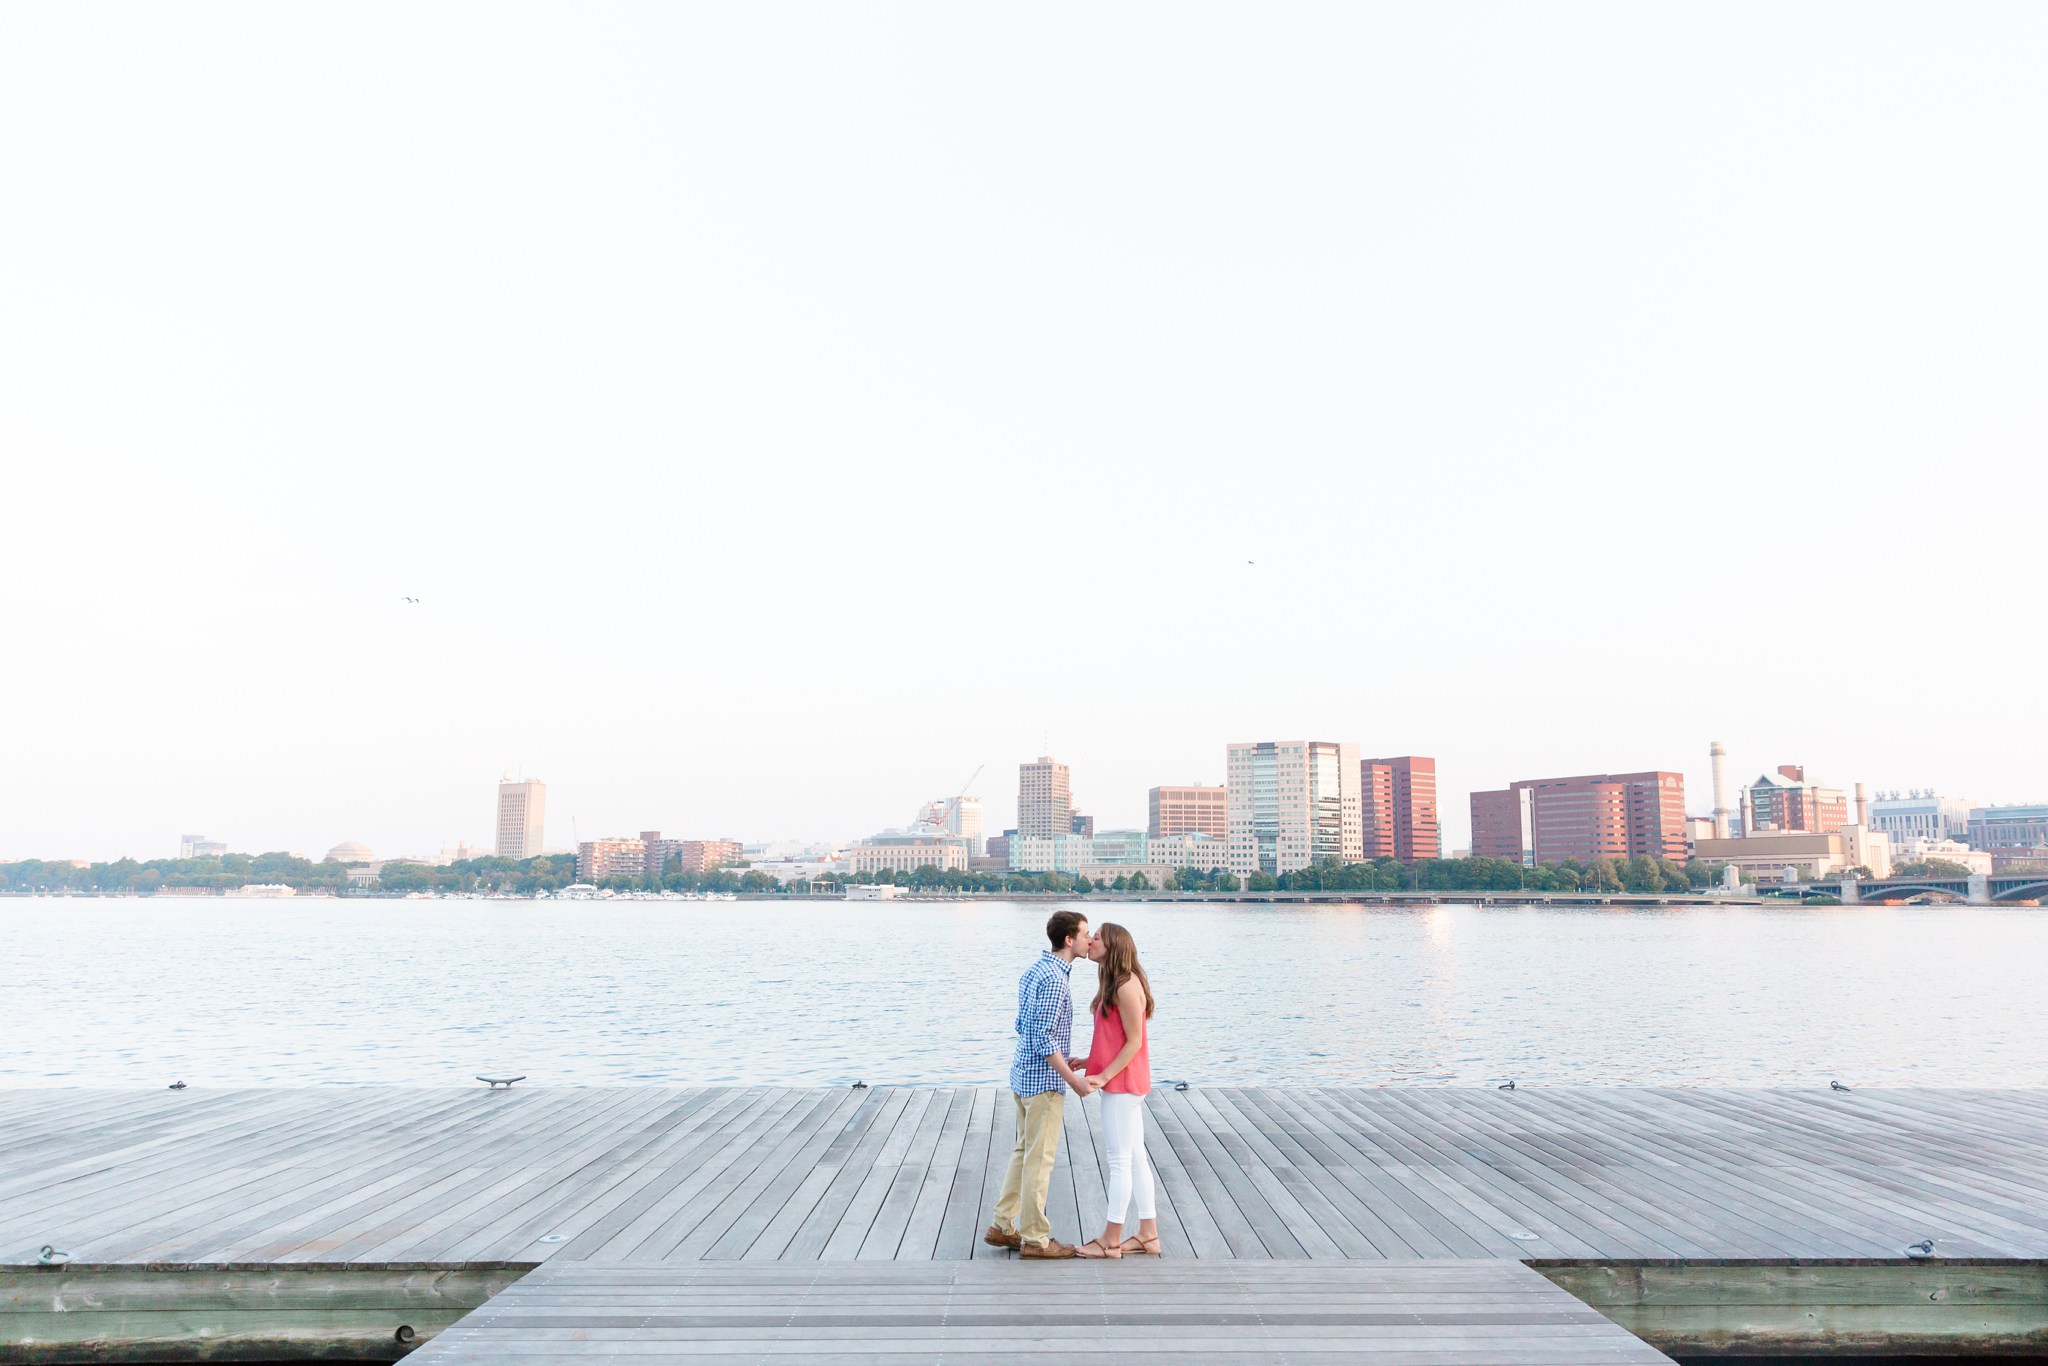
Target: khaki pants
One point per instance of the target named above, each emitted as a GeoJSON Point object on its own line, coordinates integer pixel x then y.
{"type": "Point", "coordinates": [1021, 1207]}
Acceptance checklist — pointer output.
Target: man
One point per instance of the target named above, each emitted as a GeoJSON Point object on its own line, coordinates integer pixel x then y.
{"type": "Point", "coordinates": [1043, 1066]}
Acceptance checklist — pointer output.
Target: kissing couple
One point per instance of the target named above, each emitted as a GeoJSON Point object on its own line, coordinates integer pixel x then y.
{"type": "Point", "coordinates": [1118, 1067]}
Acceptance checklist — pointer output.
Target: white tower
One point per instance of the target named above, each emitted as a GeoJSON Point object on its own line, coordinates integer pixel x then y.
{"type": "Point", "coordinates": [1718, 752]}
{"type": "Point", "coordinates": [522, 807]}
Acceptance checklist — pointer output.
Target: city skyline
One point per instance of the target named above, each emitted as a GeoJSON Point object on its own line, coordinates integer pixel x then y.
{"type": "Point", "coordinates": [343, 484]}
{"type": "Point", "coordinates": [1451, 804]}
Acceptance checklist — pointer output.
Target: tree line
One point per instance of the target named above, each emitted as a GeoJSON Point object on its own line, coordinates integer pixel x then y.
{"type": "Point", "coordinates": [136, 877]}
{"type": "Point", "coordinates": [128, 876]}
{"type": "Point", "coordinates": [1640, 876]}
{"type": "Point", "coordinates": [527, 877]}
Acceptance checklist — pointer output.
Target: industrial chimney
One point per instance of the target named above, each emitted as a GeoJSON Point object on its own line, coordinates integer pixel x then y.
{"type": "Point", "coordinates": [1862, 809]}
{"type": "Point", "coordinates": [1719, 753]}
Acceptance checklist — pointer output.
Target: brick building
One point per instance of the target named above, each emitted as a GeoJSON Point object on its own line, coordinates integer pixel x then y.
{"type": "Point", "coordinates": [1591, 816]}
{"type": "Point", "coordinates": [597, 860]}
{"type": "Point", "coordinates": [1397, 806]}
{"type": "Point", "coordinates": [689, 856]}
{"type": "Point", "coordinates": [1785, 802]}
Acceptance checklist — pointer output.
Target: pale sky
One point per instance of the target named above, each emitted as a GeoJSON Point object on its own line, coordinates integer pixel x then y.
{"type": "Point", "coordinates": [781, 410]}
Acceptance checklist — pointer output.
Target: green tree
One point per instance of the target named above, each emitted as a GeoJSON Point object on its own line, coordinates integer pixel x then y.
{"type": "Point", "coordinates": [1934, 867]}
{"type": "Point", "coordinates": [1640, 875]}
{"type": "Point", "coordinates": [1603, 875]}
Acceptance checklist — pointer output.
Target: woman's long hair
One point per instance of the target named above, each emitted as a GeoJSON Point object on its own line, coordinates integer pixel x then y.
{"type": "Point", "coordinates": [1119, 965]}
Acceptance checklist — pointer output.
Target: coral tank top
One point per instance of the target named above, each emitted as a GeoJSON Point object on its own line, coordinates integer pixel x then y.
{"type": "Point", "coordinates": [1134, 1080]}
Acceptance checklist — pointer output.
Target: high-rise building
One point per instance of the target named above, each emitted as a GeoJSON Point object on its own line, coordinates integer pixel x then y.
{"type": "Point", "coordinates": [1785, 801]}
{"type": "Point", "coordinates": [1503, 826]}
{"type": "Point", "coordinates": [522, 808]}
{"type": "Point", "coordinates": [965, 821]}
{"type": "Point", "coordinates": [2014, 836]}
{"type": "Point", "coordinates": [1591, 816]}
{"type": "Point", "coordinates": [1920, 815]}
{"type": "Point", "coordinates": [1397, 808]}
{"type": "Point", "coordinates": [1081, 825]}
{"type": "Point", "coordinates": [597, 860]}
{"type": "Point", "coordinates": [1292, 803]}
{"type": "Point", "coordinates": [199, 846]}
{"type": "Point", "coordinates": [956, 816]}
{"type": "Point", "coordinates": [1045, 803]}
{"type": "Point", "coordinates": [1189, 811]}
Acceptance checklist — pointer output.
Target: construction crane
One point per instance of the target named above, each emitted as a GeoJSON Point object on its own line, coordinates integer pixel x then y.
{"type": "Point", "coordinates": [945, 814]}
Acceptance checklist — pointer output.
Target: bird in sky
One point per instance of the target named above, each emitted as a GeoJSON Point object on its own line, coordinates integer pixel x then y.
{"type": "Point", "coordinates": [412, 599]}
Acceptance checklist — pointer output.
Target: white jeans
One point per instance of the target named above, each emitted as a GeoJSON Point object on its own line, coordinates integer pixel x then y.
{"type": "Point", "coordinates": [1130, 1171]}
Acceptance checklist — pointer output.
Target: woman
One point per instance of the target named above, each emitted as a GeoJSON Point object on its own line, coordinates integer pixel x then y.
{"type": "Point", "coordinates": [1119, 1066]}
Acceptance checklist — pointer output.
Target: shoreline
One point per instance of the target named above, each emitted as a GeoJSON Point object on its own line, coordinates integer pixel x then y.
{"type": "Point", "coordinates": [934, 895]}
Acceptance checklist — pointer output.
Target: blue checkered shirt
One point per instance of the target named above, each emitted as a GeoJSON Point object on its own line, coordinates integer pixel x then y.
{"type": "Point", "coordinates": [1045, 1025]}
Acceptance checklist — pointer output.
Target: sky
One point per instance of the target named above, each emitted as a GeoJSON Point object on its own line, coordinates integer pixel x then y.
{"type": "Point", "coordinates": [780, 411]}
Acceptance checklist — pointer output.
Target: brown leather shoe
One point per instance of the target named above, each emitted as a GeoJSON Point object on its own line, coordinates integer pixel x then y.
{"type": "Point", "coordinates": [1052, 1251]}
{"type": "Point", "coordinates": [995, 1237]}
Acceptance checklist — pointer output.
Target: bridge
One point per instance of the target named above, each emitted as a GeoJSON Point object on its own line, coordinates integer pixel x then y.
{"type": "Point", "coordinates": [1977, 889]}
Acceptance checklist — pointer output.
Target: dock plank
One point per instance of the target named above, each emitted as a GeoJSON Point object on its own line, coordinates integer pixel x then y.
{"type": "Point", "coordinates": [1488, 1313]}
{"type": "Point", "coordinates": [379, 1176]}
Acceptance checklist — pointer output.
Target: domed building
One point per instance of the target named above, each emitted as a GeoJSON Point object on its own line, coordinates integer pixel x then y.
{"type": "Point", "coordinates": [349, 851]}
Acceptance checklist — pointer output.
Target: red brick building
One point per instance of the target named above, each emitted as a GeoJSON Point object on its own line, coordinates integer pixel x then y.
{"type": "Point", "coordinates": [1592, 816]}
{"type": "Point", "coordinates": [1500, 826]}
{"type": "Point", "coordinates": [1397, 799]}
{"type": "Point", "coordinates": [690, 856]}
{"type": "Point", "coordinates": [1786, 801]}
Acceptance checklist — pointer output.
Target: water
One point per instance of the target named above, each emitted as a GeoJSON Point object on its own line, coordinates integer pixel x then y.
{"type": "Point", "coordinates": [130, 993]}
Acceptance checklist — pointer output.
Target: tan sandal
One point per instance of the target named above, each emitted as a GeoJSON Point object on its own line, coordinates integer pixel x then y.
{"type": "Point", "coordinates": [1139, 1246]}
{"type": "Point", "coordinates": [1102, 1250]}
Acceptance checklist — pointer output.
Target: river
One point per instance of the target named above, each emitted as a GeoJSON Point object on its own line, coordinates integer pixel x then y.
{"type": "Point", "coordinates": [289, 992]}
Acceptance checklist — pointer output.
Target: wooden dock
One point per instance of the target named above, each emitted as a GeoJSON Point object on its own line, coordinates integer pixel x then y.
{"type": "Point", "coordinates": [932, 1313]}
{"type": "Point", "coordinates": [372, 1186]}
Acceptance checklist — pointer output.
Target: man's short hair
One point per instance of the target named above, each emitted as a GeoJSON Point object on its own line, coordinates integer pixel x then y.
{"type": "Point", "coordinates": [1062, 927]}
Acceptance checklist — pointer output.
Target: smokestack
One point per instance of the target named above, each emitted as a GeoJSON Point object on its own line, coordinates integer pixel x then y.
{"type": "Point", "coordinates": [1862, 809]}
{"type": "Point", "coordinates": [1719, 754]}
